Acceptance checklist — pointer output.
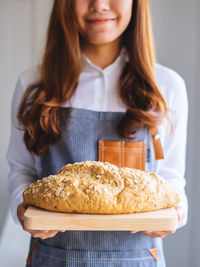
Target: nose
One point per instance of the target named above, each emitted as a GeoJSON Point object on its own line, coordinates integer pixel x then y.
{"type": "Point", "coordinates": [98, 5]}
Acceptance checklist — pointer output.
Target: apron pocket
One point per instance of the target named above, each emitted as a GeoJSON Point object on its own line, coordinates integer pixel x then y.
{"type": "Point", "coordinates": [136, 258]}
{"type": "Point", "coordinates": [46, 256]}
{"type": "Point", "coordinates": [123, 153]}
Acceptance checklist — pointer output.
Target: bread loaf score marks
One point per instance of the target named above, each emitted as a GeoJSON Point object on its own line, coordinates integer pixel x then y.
{"type": "Point", "coordinates": [101, 188]}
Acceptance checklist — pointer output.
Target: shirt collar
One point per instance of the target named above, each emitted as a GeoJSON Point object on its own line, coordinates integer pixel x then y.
{"type": "Point", "coordinates": [119, 61]}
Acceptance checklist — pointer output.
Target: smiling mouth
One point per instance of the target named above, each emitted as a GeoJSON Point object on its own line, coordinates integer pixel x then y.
{"type": "Point", "coordinates": [99, 21]}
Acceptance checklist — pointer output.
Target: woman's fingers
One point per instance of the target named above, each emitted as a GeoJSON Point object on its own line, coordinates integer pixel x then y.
{"type": "Point", "coordinates": [133, 232]}
{"type": "Point", "coordinates": [48, 234]}
{"type": "Point", "coordinates": [162, 234]}
{"type": "Point", "coordinates": [156, 234]}
{"type": "Point", "coordinates": [180, 213]}
{"type": "Point", "coordinates": [20, 212]}
{"type": "Point", "coordinates": [43, 234]}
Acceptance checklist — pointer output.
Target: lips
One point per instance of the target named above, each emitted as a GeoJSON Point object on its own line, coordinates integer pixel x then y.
{"type": "Point", "coordinates": [99, 20]}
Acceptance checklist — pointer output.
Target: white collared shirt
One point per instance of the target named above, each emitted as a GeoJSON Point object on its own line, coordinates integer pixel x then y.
{"type": "Point", "coordinates": [98, 90]}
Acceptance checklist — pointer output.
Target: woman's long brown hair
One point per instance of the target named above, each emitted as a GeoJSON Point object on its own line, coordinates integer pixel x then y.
{"type": "Point", "coordinates": [40, 109]}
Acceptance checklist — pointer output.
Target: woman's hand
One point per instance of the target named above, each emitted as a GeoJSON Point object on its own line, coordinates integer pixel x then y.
{"type": "Point", "coordinates": [156, 234]}
{"type": "Point", "coordinates": [162, 234]}
{"type": "Point", "coordinates": [43, 234]}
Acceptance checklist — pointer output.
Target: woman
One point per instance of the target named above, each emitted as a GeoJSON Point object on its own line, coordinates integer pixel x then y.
{"type": "Point", "coordinates": [98, 81]}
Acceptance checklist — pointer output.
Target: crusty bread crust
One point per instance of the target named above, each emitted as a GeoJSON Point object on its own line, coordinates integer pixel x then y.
{"type": "Point", "coordinates": [101, 188]}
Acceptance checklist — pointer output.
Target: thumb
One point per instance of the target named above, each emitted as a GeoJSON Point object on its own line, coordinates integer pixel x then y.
{"type": "Point", "coordinates": [21, 210]}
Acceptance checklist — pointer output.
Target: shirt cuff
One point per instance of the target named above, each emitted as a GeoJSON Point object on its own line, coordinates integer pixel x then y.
{"type": "Point", "coordinates": [16, 199]}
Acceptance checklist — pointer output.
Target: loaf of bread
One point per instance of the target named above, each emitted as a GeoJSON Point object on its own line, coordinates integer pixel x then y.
{"type": "Point", "coordinates": [101, 188]}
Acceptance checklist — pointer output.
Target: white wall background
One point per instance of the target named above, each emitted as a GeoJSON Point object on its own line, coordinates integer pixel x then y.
{"type": "Point", "coordinates": [22, 33]}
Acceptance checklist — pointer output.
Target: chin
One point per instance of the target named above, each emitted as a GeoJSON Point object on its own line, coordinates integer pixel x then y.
{"type": "Point", "coordinates": [101, 41]}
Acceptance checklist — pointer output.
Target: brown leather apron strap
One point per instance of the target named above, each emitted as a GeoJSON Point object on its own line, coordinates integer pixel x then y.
{"type": "Point", "coordinates": [156, 143]}
{"type": "Point", "coordinates": [34, 248]}
{"type": "Point", "coordinates": [154, 253]}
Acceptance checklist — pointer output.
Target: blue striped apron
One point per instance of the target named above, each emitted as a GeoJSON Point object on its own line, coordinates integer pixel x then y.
{"type": "Point", "coordinates": [81, 131]}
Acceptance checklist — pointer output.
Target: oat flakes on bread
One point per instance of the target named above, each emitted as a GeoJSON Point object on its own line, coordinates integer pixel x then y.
{"type": "Point", "coordinates": [101, 188]}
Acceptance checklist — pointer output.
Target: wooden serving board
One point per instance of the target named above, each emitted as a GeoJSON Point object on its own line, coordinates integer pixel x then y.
{"type": "Point", "coordinates": [39, 219]}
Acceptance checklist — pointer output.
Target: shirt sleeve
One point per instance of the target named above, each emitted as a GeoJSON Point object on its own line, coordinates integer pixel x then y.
{"type": "Point", "coordinates": [21, 161]}
{"type": "Point", "coordinates": [173, 140]}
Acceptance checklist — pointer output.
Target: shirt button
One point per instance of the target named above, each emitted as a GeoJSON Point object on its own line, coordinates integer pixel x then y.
{"type": "Point", "coordinates": [101, 74]}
